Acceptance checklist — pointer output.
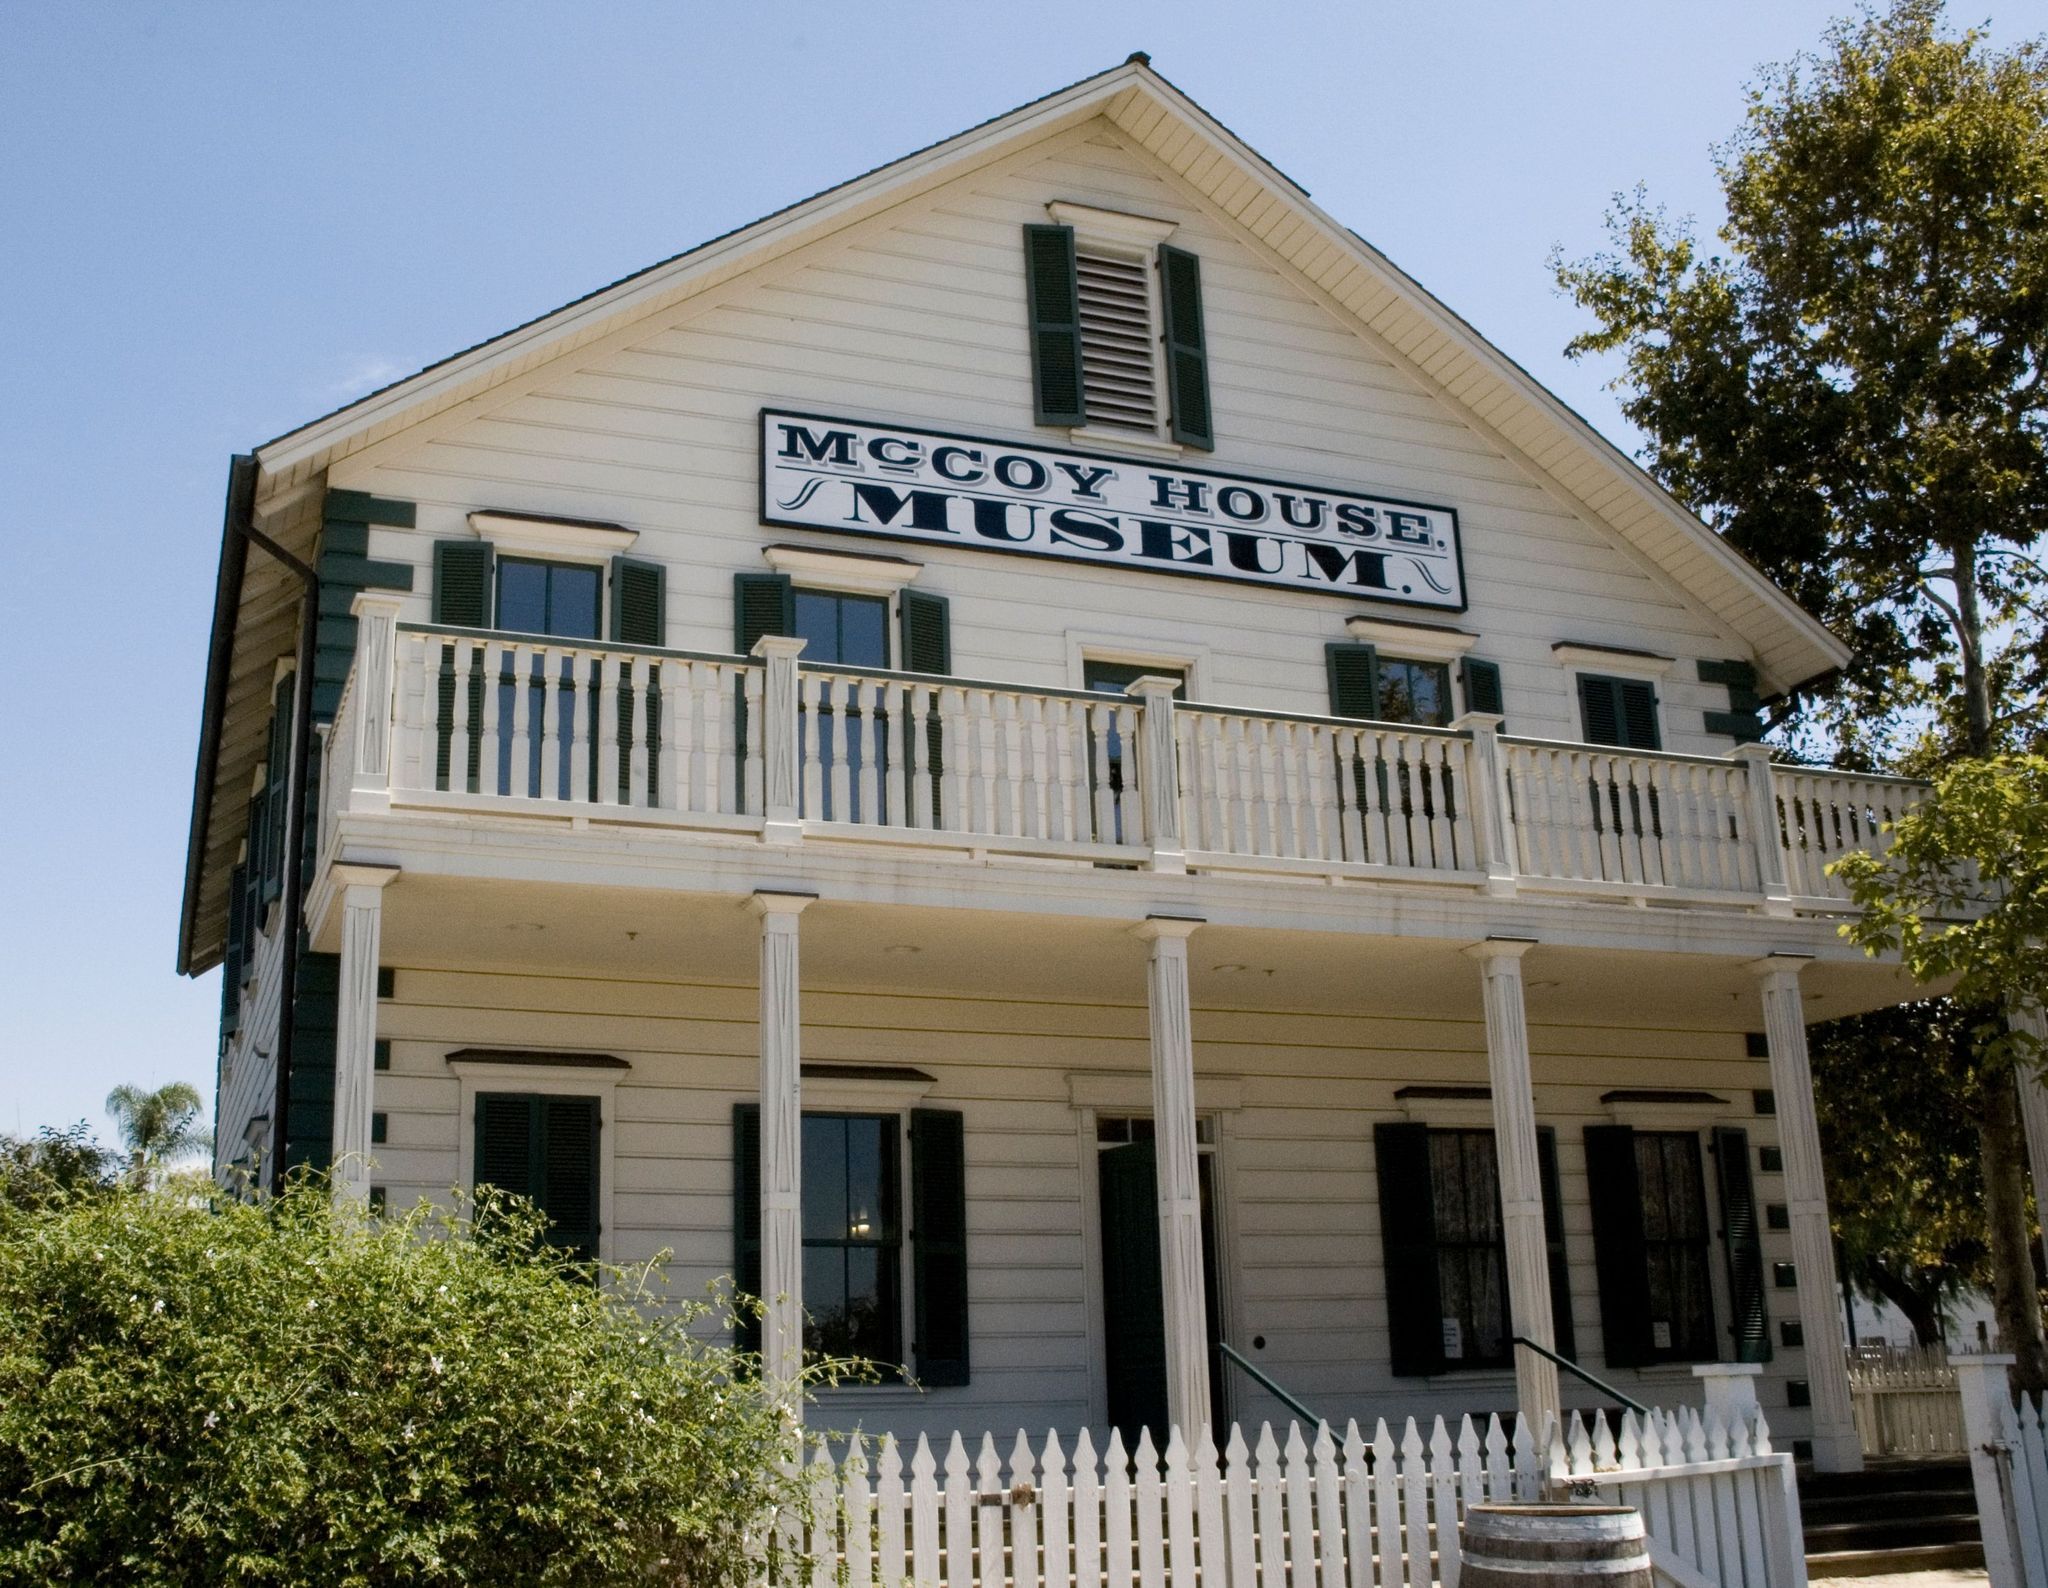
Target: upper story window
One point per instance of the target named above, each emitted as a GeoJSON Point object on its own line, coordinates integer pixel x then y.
{"type": "Point", "coordinates": [841, 630]}
{"type": "Point", "coordinates": [1377, 688]}
{"type": "Point", "coordinates": [1619, 711]}
{"type": "Point", "coordinates": [1118, 343]}
{"type": "Point", "coordinates": [558, 598]}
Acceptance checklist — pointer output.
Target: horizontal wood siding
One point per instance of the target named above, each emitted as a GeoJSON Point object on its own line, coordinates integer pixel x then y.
{"type": "Point", "coordinates": [918, 316]}
{"type": "Point", "coordinates": [1300, 1236]}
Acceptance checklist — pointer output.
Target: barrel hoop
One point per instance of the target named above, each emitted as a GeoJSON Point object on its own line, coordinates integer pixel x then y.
{"type": "Point", "coordinates": [1554, 1568]}
{"type": "Point", "coordinates": [1557, 1548]}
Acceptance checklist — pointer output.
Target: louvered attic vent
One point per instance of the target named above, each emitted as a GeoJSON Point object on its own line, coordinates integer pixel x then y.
{"type": "Point", "coordinates": [1116, 340]}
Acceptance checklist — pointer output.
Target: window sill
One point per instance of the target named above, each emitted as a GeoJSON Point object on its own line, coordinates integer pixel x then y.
{"type": "Point", "coordinates": [1126, 441]}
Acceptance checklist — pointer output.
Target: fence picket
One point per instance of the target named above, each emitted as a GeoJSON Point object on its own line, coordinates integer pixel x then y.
{"type": "Point", "coordinates": [1056, 1566]}
{"type": "Point", "coordinates": [1087, 1514]}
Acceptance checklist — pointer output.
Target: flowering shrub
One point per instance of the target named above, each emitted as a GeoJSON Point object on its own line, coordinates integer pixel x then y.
{"type": "Point", "coordinates": [193, 1389]}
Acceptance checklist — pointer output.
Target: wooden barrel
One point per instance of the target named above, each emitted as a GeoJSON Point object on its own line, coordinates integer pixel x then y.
{"type": "Point", "coordinates": [1531, 1546]}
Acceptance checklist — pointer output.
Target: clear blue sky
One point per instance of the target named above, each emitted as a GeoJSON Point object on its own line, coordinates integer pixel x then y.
{"type": "Point", "coordinates": [220, 220]}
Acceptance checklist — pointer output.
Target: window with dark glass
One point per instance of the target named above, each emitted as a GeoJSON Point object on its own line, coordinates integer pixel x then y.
{"type": "Point", "coordinates": [843, 631]}
{"type": "Point", "coordinates": [853, 1236]}
{"type": "Point", "coordinates": [1416, 692]}
{"type": "Point", "coordinates": [560, 598]}
{"type": "Point", "coordinates": [1471, 1248]}
{"type": "Point", "coordinates": [1676, 1239]}
{"type": "Point", "coordinates": [1115, 678]}
{"type": "Point", "coordinates": [563, 599]}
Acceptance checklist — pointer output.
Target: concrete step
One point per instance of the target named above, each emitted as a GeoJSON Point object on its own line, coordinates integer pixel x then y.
{"type": "Point", "coordinates": [1890, 1533]}
{"type": "Point", "coordinates": [1887, 1507]}
{"type": "Point", "coordinates": [1891, 1562]}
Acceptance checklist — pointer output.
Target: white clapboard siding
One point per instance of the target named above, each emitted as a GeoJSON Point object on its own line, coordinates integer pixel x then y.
{"type": "Point", "coordinates": [1300, 1241]}
{"type": "Point", "coordinates": [1306, 1510]}
{"type": "Point", "coordinates": [917, 316]}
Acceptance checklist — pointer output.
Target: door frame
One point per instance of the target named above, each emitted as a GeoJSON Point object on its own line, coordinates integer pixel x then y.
{"type": "Point", "coordinates": [1130, 1093]}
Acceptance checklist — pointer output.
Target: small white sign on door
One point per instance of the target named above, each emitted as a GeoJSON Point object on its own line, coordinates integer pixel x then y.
{"type": "Point", "coordinates": [1454, 1340]}
{"type": "Point", "coordinates": [1660, 1334]}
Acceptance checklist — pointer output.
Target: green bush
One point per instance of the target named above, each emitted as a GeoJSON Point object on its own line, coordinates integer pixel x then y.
{"type": "Point", "coordinates": [197, 1390]}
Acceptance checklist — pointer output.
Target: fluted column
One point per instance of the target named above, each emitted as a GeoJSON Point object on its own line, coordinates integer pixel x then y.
{"type": "Point", "coordinates": [782, 1104]}
{"type": "Point", "coordinates": [376, 615]}
{"type": "Point", "coordinates": [355, 1023]}
{"type": "Point", "coordinates": [1180, 1185]}
{"type": "Point", "coordinates": [781, 812]}
{"type": "Point", "coordinates": [1521, 1173]}
{"type": "Point", "coordinates": [1836, 1447]}
{"type": "Point", "coordinates": [1158, 771]}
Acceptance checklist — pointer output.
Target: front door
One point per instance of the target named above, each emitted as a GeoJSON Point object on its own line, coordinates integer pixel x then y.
{"type": "Point", "coordinates": [1133, 1308]}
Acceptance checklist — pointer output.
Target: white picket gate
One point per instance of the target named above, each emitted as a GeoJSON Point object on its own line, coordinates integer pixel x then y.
{"type": "Point", "coordinates": [2007, 1438]}
{"type": "Point", "coordinates": [1904, 1401]}
{"type": "Point", "coordinates": [1306, 1511]}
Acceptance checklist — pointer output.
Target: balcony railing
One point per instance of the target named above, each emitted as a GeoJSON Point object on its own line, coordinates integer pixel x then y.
{"type": "Point", "coordinates": [525, 724]}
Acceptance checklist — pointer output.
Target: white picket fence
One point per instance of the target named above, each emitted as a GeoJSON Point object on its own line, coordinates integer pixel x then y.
{"type": "Point", "coordinates": [1905, 1402]}
{"type": "Point", "coordinates": [2007, 1440]}
{"type": "Point", "coordinates": [1309, 1511]}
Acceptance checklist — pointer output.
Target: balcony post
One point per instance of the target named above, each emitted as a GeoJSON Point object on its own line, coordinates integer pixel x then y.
{"type": "Point", "coordinates": [1186, 1318]}
{"type": "Point", "coordinates": [782, 1106]}
{"type": "Point", "coordinates": [1486, 794]}
{"type": "Point", "coordinates": [1521, 1174]}
{"type": "Point", "coordinates": [1158, 765]}
{"type": "Point", "coordinates": [1836, 1444]}
{"type": "Point", "coordinates": [1764, 831]}
{"type": "Point", "coordinates": [376, 615]}
{"type": "Point", "coordinates": [781, 814]}
{"type": "Point", "coordinates": [355, 1024]}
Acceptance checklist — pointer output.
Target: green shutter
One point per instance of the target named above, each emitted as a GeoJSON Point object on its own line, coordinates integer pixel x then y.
{"type": "Point", "coordinates": [927, 633]}
{"type": "Point", "coordinates": [1482, 687]}
{"type": "Point", "coordinates": [762, 603]}
{"type": "Point", "coordinates": [1619, 711]}
{"type": "Point", "coordinates": [639, 602]}
{"type": "Point", "coordinates": [231, 959]}
{"type": "Point", "coordinates": [938, 1237]}
{"type": "Point", "coordinates": [1615, 1190]}
{"type": "Point", "coordinates": [1565, 1335]}
{"type": "Point", "coordinates": [1187, 358]}
{"type": "Point", "coordinates": [462, 583]}
{"type": "Point", "coordinates": [746, 1217]}
{"type": "Point", "coordinates": [1408, 1239]}
{"type": "Point", "coordinates": [277, 792]}
{"type": "Point", "coordinates": [1354, 680]}
{"type": "Point", "coordinates": [570, 1128]}
{"type": "Point", "coordinates": [1052, 292]}
{"type": "Point", "coordinates": [506, 1139]}
{"type": "Point", "coordinates": [252, 881]}
{"type": "Point", "coordinates": [1744, 1243]}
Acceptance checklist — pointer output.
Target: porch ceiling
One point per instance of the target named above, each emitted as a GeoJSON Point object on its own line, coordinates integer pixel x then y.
{"type": "Point", "coordinates": [603, 933]}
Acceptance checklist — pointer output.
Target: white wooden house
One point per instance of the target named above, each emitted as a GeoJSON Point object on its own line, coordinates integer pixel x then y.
{"type": "Point", "coordinates": [1045, 759]}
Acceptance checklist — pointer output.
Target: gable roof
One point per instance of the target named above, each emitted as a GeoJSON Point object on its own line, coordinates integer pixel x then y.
{"type": "Point", "coordinates": [1498, 394]}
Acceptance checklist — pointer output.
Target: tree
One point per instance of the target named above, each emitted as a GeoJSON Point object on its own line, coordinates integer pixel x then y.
{"type": "Point", "coordinates": [1854, 395]}
{"type": "Point", "coordinates": [1902, 1158]}
{"type": "Point", "coordinates": [303, 1393]}
{"type": "Point", "coordinates": [158, 1127]}
{"type": "Point", "coordinates": [52, 1165]}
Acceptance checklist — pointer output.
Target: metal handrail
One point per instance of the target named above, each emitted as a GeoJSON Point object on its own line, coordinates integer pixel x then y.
{"type": "Point", "coordinates": [1581, 1374]}
{"type": "Point", "coordinates": [1261, 1377]}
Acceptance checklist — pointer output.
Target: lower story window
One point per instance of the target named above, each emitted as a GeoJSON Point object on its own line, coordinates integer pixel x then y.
{"type": "Point", "coordinates": [1471, 1253]}
{"type": "Point", "coordinates": [543, 1147]}
{"type": "Point", "coordinates": [1675, 1245]}
{"type": "Point", "coordinates": [853, 1241]}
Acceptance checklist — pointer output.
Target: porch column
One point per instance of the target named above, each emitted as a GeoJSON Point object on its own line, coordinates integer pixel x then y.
{"type": "Point", "coordinates": [1836, 1447]}
{"type": "Point", "coordinates": [782, 1249]}
{"type": "Point", "coordinates": [1180, 1186]}
{"type": "Point", "coordinates": [2034, 1106]}
{"type": "Point", "coordinates": [1521, 1174]}
{"type": "Point", "coordinates": [355, 1023]}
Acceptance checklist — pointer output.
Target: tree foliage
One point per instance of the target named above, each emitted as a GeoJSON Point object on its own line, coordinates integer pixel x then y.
{"type": "Point", "coordinates": [52, 1166]}
{"type": "Point", "coordinates": [1851, 389]}
{"type": "Point", "coordinates": [303, 1394]}
{"type": "Point", "coordinates": [1893, 1092]}
{"type": "Point", "coordinates": [158, 1127]}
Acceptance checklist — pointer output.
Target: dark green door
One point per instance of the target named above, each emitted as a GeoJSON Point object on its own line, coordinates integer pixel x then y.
{"type": "Point", "coordinates": [1133, 1315]}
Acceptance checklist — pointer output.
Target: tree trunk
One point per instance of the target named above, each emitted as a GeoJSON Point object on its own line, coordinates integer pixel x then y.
{"type": "Point", "coordinates": [1918, 1307]}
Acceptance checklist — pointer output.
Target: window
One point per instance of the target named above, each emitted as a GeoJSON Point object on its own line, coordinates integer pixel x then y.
{"type": "Point", "coordinates": [1446, 1248]}
{"type": "Point", "coordinates": [1417, 692]}
{"type": "Point", "coordinates": [842, 631]}
{"type": "Point", "coordinates": [1102, 342]}
{"type": "Point", "coordinates": [559, 598]}
{"type": "Point", "coordinates": [1115, 678]}
{"type": "Point", "coordinates": [1652, 1239]}
{"type": "Point", "coordinates": [862, 1214]}
{"type": "Point", "coordinates": [1471, 1252]}
{"type": "Point", "coordinates": [1619, 711]}
{"type": "Point", "coordinates": [853, 1237]}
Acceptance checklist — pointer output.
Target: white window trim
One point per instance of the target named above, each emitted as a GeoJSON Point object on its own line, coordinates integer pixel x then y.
{"type": "Point", "coordinates": [1084, 647]}
{"type": "Point", "coordinates": [1675, 1114]}
{"type": "Point", "coordinates": [842, 572]}
{"type": "Point", "coordinates": [551, 538]}
{"type": "Point", "coordinates": [1449, 1113]}
{"type": "Point", "coordinates": [1111, 226]}
{"type": "Point", "coordinates": [562, 1080]}
{"type": "Point", "coordinates": [1615, 663]}
{"type": "Point", "coordinates": [1411, 642]}
{"type": "Point", "coordinates": [1130, 1092]}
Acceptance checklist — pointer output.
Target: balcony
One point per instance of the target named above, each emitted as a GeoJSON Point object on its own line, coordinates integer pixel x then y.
{"type": "Point", "coordinates": [522, 726]}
